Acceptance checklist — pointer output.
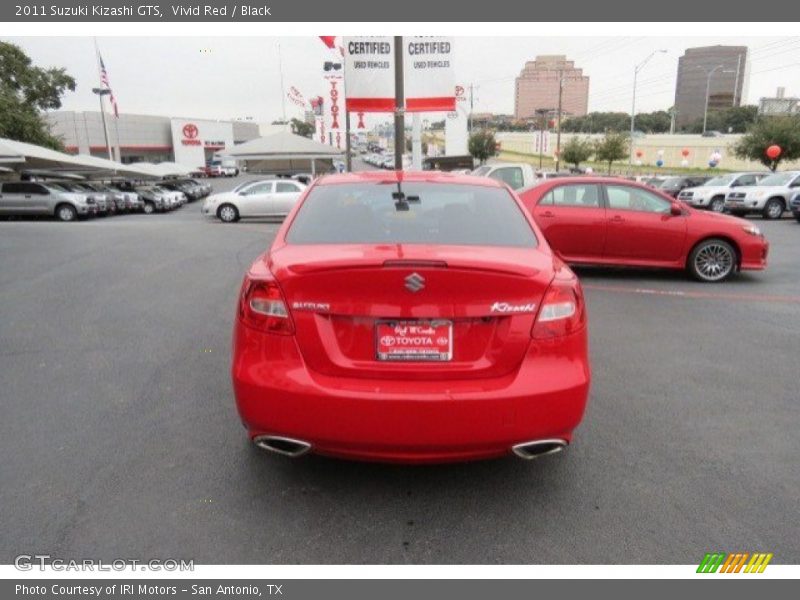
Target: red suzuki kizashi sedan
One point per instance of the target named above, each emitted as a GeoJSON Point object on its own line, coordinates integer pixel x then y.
{"type": "Point", "coordinates": [412, 317]}
{"type": "Point", "coordinates": [608, 221]}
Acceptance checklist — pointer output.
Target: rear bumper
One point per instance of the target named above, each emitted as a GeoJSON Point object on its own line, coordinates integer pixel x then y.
{"type": "Point", "coordinates": [409, 421]}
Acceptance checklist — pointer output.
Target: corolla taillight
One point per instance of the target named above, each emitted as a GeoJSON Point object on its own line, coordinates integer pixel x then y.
{"type": "Point", "coordinates": [262, 307]}
{"type": "Point", "coordinates": [562, 312]}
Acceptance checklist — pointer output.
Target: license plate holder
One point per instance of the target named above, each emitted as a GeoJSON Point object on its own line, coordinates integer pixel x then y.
{"type": "Point", "coordinates": [417, 340]}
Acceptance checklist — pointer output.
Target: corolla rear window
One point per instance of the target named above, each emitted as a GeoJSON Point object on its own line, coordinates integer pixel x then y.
{"type": "Point", "coordinates": [416, 213]}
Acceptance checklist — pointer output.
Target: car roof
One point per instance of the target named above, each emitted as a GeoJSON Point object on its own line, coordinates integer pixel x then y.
{"type": "Point", "coordinates": [408, 176]}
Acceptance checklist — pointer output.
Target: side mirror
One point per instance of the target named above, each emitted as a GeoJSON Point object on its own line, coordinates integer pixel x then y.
{"type": "Point", "coordinates": [675, 210]}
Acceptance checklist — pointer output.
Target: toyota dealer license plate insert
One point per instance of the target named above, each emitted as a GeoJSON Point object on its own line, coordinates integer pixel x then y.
{"type": "Point", "coordinates": [414, 340]}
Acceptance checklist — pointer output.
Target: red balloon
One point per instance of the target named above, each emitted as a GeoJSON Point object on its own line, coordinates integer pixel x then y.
{"type": "Point", "coordinates": [774, 151]}
{"type": "Point", "coordinates": [639, 154]}
{"type": "Point", "coordinates": [685, 152]}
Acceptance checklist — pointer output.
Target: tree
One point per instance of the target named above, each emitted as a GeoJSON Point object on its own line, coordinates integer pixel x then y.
{"type": "Point", "coordinates": [735, 119]}
{"type": "Point", "coordinates": [26, 91]}
{"type": "Point", "coordinates": [781, 131]}
{"type": "Point", "coordinates": [613, 147]}
{"type": "Point", "coordinates": [303, 128]}
{"type": "Point", "coordinates": [577, 150]}
{"type": "Point", "coordinates": [482, 145]}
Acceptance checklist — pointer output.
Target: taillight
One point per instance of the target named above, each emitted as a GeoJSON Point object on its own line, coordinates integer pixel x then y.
{"type": "Point", "coordinates": [562, 311]}
{"type": "Point", "coordinates": [262, 306]}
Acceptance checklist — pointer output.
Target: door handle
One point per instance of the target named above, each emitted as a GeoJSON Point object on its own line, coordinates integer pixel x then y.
{"type": "Point", "coordinates": [548, 214]}
{"type": "Point", "coordinates": [27, 195]}
{"type": "Point", "coordinates": [617, 219]}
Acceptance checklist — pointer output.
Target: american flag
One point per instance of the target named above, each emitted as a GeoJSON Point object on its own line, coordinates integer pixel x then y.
{"type": "Point", "coordinates": [104, 82]}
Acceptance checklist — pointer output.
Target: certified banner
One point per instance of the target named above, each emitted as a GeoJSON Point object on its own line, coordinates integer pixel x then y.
{"type": "Point", "coordinates": [369, 71]}
{"type": "Point", "coordinates": [428, 69]}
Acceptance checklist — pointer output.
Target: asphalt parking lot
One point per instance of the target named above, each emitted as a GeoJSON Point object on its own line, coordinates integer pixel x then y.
{"type": "Point", "coordinates": [120, 439]}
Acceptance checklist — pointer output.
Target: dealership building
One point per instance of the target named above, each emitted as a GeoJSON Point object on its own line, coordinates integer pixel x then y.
{"type": "Point", "coordinates": [149, 138]}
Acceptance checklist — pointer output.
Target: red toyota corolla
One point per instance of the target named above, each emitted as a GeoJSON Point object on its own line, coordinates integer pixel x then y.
{"type": "Point", "coordinates": [606, 221]}
{"type": "Point", "coordinates": [417, 317]}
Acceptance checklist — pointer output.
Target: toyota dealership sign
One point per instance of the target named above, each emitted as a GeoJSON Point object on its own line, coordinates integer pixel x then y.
{"type": "Point", "coordinates": [196, 140]}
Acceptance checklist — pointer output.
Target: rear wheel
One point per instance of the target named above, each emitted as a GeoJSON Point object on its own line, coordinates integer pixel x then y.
{"type": "Point", "coordinates": [773, 209]}
{"type": "Point", "coordinates": [717, 204]}
{"type": "Point", "coordinates": [149, 208]}
{"type": "Point", "coordinates": [227, 213]}
{"type": "Point", "coordinates": [66, 212]}
{"type": "Point", "coordinates": [712, 260]}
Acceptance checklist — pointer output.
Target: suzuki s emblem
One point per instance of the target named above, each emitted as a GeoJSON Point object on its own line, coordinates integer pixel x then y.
{"type": "Point", "coordinates": [415, 282]}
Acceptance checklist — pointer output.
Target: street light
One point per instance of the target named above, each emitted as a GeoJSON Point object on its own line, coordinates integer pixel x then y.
{"type": "Point", "coordinates": [636, 70]}
{"type": "Point", "coordinates": [100, 93]}
{"type": "Point", "coordinates": [708, 89]}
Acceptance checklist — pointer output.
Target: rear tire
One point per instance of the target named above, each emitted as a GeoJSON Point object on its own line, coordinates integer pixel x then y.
{"type": "Point", "coordinates": [227, 213]}
{"type": "Point", "coordinates": [717, 204]}
{"type": "Point", "coordinates": [712, 260]}
{"type": "Point", "coordinates": [66, 212]}
{"type": "Point", "coordinates": [773, 209]}
{"type": "Point", "coordinates": [149, 208]}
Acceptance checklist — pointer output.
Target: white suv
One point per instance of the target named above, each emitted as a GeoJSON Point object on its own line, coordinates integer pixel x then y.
{"type": "Point", "coordinates": [711, 195]}
{"type": "Point", "coordinates": [770, 196]}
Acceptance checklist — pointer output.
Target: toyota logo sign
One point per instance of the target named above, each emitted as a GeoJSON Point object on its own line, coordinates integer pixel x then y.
{"type": "Point", "coordinates": [190, 131]}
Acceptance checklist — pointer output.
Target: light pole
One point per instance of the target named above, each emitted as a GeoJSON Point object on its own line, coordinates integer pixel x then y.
{"type": "Point", "coordinates": [708, 90]}
{"type": "Point", "coordinates": [100, 93]}
{"type": "Point", "coordinates": [636, 70]}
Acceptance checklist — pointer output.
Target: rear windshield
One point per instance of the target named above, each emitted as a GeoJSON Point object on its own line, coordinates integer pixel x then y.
{"type": "Point", "coordinates": [429, 213]}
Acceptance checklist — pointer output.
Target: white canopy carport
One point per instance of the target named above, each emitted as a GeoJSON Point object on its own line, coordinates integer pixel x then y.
{"type": "Point", "coordinates": [283, 146]}
{"type": "Point", "coordinates": [37, 159]}
{"type": "Point", "coordinates": [9, 155]}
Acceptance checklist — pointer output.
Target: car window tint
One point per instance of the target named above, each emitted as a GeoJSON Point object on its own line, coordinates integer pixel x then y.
{"type": "Point", "coordinates": [283, 188]}
{"type": "Point", "coordinates": [746, 180]}
{"type": "Point", "coordinates": [623, 197]}
{"type": "Point", "coordinates": [509, 175]}
{"type": "Point", "coordinates": [580, 195]}
{"type": "Point", "coordinates": [432, 213]}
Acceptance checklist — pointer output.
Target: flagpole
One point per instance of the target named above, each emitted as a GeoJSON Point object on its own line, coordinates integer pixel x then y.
{"type": "Point", "coordinates": [102, 107]}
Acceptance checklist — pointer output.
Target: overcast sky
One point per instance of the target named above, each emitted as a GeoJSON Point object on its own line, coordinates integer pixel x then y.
{"type": "Point", "coordinates": [233, 77]}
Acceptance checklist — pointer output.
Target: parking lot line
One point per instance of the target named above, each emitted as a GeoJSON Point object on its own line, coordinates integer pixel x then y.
{"type": "Point", "coordinates": [695, 295]}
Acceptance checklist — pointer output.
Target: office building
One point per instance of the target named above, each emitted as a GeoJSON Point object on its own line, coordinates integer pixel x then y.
{"type": "Point", "coordinates": [537, 88]}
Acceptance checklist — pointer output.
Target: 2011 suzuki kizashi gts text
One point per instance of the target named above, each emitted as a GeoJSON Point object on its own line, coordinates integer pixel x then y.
{"type": "Point", "coordinates": [411, 318]}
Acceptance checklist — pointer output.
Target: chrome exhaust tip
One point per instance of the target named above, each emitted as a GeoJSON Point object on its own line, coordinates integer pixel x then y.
{"type": "Point", "coordinates": [282, 445]}
{"type": "Point", "coordinates": [537, 448]}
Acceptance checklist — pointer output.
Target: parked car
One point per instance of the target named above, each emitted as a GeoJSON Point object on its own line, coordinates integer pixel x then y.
{"type": "Point", "coordinates": [612, 221]}
{"type": "Point", "coordinates": [260, 198]}
{"type": "Point", "coordinates": [672, 186]}
{"type": "Point", "coordinates": [98, 200]}
{"type": "Point", "coordinates": [352, 340]}
{"type": "Point", "coordinates": [794, 206]}
{"type": "Point", "coordinates": [116, 200]}
{"type": "Point", "coordinates": [770, 196]}
{"type": "Point", "coordinates": [131, 198]}
{"type": "Point", "coordinates": [448, 163]}
{"type": "Point", "coordinates": [154, 200]}
{"type": "Point", "coordinates": [711, 194]}
{"type": "Point", "coordinates": [515, 175]}
{"type": "Point", "coordinates": [28, 198]}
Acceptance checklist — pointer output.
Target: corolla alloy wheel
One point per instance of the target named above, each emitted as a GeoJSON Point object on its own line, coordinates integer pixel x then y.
{"type": "Point", "coordinates": [713, 260]}
{"type": "Point", "coordinates": [228, 213]}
